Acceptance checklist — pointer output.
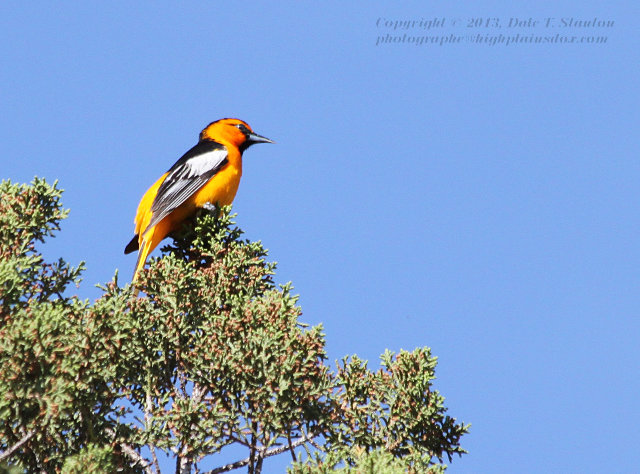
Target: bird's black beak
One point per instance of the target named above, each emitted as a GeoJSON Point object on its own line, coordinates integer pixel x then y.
{"type": "Point", "coordinates": [255, 138]}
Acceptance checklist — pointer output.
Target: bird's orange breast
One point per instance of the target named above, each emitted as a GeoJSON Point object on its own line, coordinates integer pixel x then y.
{"type": "Point", "coordinates": [222, 188]}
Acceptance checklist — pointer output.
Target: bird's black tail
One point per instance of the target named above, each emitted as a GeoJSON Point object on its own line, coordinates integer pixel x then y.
{"type": "Point", "coordinates": [133, 245]}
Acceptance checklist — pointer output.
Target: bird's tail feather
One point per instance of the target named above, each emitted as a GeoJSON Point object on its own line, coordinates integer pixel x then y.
{"type": "Point", "coordinates": [142, 257]}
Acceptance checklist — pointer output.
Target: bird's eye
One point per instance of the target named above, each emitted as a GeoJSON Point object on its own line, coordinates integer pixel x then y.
{"type": "Point", "coordinates": [242, 128]}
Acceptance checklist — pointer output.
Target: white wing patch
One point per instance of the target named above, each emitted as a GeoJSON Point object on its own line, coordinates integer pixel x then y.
{"type": "Point", "coordinates": [187, 176]}
{"type": "Point", "coordinates": [201, 164]}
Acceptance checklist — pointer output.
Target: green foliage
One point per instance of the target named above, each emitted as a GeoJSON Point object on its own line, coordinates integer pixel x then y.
{"type": "Point", "coordinates": [56, 354]}
{"type": "Point", "coordinates": [94, 459]}
{"type": "Point", "coordinates": [377, 461]}
{"type": "Point", "coordinates": [395, 409]}
{"type": "Point", "coordinates": [7, 469]}
{"type": "Point", "coordinates": [221, 357]}
{"type": "Point", "coordinates": [28, 214]}
{"type": "Point", "coordinates": [212, 355]}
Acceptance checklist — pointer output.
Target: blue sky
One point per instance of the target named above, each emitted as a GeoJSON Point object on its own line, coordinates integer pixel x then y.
{"type": "Point", "coordinates": [481, 200]}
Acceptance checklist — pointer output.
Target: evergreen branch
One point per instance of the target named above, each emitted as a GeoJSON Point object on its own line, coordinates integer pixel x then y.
{"type": "Point", "coordinates": [8, 452]}
{"type": "Point", "coordinates": [136, 458]}
{"type": "Point", "coordinates": [147, 417]}
{"type": "Point", "coordinates": [264, 453]}
{"type": "Point", "coordinates": [132, 454]}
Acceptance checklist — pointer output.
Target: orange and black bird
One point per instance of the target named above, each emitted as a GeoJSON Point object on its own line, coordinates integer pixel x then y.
{"type": "Point", "coordinates": [209, 173]}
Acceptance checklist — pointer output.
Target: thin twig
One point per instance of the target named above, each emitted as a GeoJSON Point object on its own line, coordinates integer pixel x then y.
{"type": "Point", "coordinates": [306, 448]}
{"type": "Point", "coordinates": [315, 445]}
{"type": "Point", "coordinates": [185, 460]}
{"type": "Point", "coordinates": [147, 421]}
{"type": "Point", "coordinates": [261, 452]}
{"type": "Point", "coordinates": [133, 454]}
{"type": "Point", "coordinates": [8, 452]}
{"type": "Point", "coordinates": [293, 453]}
{"type": "Point", "coordinates": [254, 447]}
{"type": "Point", "coordinates": [266, 454]}
{"type": "Point", "coordinates": [238, 440]}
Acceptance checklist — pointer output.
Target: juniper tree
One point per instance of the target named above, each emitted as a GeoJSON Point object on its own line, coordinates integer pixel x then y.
{"type": "Point", "coordinates": [211, 353]}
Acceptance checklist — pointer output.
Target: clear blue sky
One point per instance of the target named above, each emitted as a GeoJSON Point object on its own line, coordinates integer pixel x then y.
{"type": "Point", "coordinates": [481, 200]}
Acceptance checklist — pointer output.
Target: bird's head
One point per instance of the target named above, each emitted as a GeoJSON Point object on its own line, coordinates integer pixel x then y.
{"type": "Point", "coordinates": [234, 131]}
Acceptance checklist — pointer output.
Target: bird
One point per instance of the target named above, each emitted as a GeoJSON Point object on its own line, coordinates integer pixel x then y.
{"type": "Point", "coordinates": [208, 174]}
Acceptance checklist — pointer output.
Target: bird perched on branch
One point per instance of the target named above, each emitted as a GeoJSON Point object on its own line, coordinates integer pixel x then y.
{"type": "Point", "coordinates": [207, 174]}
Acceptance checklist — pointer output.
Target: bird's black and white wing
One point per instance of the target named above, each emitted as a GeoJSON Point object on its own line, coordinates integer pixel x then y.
{"type": "Point", "coordinates": [186, 176]}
